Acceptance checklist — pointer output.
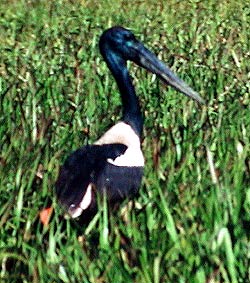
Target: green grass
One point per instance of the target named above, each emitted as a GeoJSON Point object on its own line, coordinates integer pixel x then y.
{"type": "Point", "coordinates": [191, 221]}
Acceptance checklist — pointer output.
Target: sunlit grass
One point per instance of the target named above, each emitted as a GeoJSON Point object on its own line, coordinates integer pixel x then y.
{"type": "Point", "coordinates": [191, 220]}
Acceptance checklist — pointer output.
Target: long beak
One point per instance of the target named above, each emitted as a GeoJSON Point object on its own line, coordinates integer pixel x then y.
{"type": "Point", "coordinates": [149, 61]}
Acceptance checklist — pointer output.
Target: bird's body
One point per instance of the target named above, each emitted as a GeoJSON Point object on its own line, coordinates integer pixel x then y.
{"type": "Point", "coordinates": [114, 163]}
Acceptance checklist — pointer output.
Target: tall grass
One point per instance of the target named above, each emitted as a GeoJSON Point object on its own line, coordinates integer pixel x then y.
{"type": "Point", "coordinates": [191, 221]}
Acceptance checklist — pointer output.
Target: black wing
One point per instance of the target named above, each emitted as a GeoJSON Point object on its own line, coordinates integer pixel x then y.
{"type": "Point", "coordinates": [81, 168]}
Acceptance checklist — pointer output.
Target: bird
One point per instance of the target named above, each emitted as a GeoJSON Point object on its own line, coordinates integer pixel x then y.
{"type": "Point", "coordinates": [113, 165]}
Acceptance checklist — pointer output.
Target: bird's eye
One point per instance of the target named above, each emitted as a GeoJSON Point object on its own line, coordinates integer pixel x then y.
{"type": "Point", "coordinates": [129, 36]}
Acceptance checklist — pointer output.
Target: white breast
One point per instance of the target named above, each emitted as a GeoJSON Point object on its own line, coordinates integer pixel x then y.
{"type": "Point", "coordinates": [124, 134]}
{"type": "Point", "coordinates": [131, 157]}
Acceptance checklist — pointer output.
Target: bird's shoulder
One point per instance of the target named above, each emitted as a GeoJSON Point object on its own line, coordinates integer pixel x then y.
{"type": "Point", "coordinates": [89, 155]}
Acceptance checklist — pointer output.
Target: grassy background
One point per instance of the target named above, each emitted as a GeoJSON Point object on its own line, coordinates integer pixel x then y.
{"type": "Point", "coordinates": [191, 221]}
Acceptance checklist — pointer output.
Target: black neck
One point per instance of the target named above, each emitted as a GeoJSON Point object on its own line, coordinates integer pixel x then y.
{"type": "Point", "coordinates": [131, 108]}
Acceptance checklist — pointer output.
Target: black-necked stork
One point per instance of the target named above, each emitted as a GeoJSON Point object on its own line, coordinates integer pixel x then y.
{"type": "Point", "coordinates": [114, 163]}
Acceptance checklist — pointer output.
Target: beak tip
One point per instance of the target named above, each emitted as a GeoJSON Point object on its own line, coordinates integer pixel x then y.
{"type": "Point", "coordinates": [201, 101]}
